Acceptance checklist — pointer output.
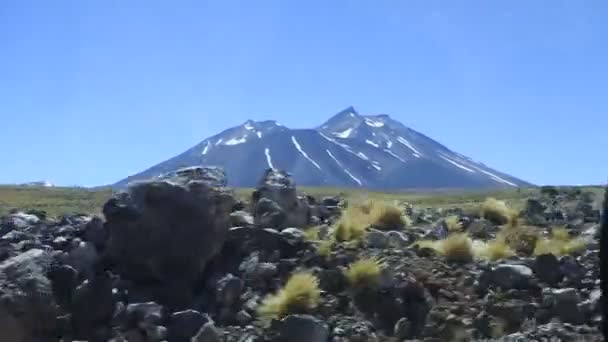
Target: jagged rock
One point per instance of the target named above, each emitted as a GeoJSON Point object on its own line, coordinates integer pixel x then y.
{"type": "Point", "coordinates": [376, 239]}
{"type": "Point", "coordinates": [304, 328]}
{"type": "Point", "coordinates": [27, 307]}
{"type": "Point", "coordinates": [241, 219]}
{"type": "Point", "coordinates": [167, 231]}
{"type": "Point", "coordinates": [229, 290]}
{"type": "Point", "coordinates": [83, 257]}
{"type": "Point", "coordinates": [282, 207]}
{"type": "Point", "coordinates": [347, 329]}
{"type": "Point", "coordinates": [572, 269]}
{"type": "Point", "coordinates": [403, 329]}
{"type": "Point", "coordinates": [208, 333]}
{"type": "Point", "coordinates": [18, 221]}
{"type": "Point", "coordinates": [507, 276]}
{"type": "Point", "coordinates": [64, 280]}
{"type": "Point", "coordinates": [513, 312]}
{"type": "Point", "coordinates": [92, 306]}
{"type": "Point", "coordinates": [548, 269]}
{"type": "Point", "coordinates": [481, 229]}
{"type": "Point", "coordinates": [144, 313]}
{"type": "Point", "coordinates": [184, 325]}
{"type": "Point", "coordinates": [397, 239]}
{"type": "Point", "coordinates": [96, 233]}
{"type": "Point", "coordinates": [565, 304]}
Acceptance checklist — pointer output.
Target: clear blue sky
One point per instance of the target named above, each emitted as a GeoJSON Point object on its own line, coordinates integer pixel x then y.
{"type": "Point", "coordinates": [92, 91]}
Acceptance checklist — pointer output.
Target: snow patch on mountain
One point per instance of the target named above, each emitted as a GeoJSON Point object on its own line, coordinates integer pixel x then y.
{"type": "Point", "coordinates": [259, 134]}
{"type": "Point", "coordinates": [456, 164]}
{"type": "Point", "coordinates": [495, 177]}
{"type": "Point", "coordinates": [206, 149]}
{"type": "Point", "coordinates": [299, 148]}
{"type": "Point", "coordinates": [344, 134]}
{"type": "Point", "coordinates": [374, 123]}
{"type": "Point", "coordinates": [362, 156]}
{"type": "Point", "coordinates": [236, 141]}
{"type": "Point", "coordinates": [394, 155]}
{"type": "Point", "coordinates": [268, 157]}
{"type": "Point", "coordinates": [343, 168]}
{"type": "Point", "coordinates": [369, 142]}
{"type": "Point", "coordinates": [408, 145]}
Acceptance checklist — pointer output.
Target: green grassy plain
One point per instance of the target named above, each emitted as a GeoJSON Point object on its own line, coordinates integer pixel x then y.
{"type": "Point", "coordinates": [61, 200]}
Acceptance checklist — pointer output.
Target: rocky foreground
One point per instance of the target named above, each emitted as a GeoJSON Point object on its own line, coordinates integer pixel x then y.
{"type": "Point", "coordinates": [182, 260]}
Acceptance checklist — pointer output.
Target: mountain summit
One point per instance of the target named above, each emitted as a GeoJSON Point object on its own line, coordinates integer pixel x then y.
{"type": "Point", "coordinates": [348, 150]}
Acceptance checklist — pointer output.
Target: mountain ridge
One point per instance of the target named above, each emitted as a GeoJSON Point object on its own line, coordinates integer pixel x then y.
{"type": "Point", "coordinates": [348, 149]}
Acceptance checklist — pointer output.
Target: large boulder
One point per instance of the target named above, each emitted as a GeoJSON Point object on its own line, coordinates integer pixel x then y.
{"type": "Point", "coordinates": [276, 203]}
{"type": "Point", "coordinates": [27, 307]}
{"type": "Point", "coordinates": [166, 230]}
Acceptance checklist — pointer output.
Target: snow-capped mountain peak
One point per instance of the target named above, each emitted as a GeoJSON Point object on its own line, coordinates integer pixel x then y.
{"type": "Point", "coordinates": [349, 149]}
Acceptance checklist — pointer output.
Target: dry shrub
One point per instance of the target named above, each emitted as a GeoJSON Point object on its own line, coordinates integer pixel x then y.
{"type": "Point", "coordinates": [452, 223]}
{"type": "Point", "coordinates": [496, 211]}
{"type": "Point", "coordinates": [300, 295]}
{"type": "Point", "coordinates": [386, 217]}
{"type": "Point", "coordinates": [364, 273]}
{"type": "Point", "coordinates": [351, 226]}
{"type": "Point", "coordinates": [559, 243]}
{"type": "Point", "coordinates": [456, 247]}
{"type": "Point", "coordinates": [493, 250]}
{"type": "Point", "coordinates": [521, 239]}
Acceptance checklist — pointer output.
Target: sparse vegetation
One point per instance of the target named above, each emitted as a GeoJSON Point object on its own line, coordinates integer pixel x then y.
{"type": "Point", "coordinates": [54, 201]}
{"type": "Point", "coordinates": [456, 247]}
{"type": "Point", "coordinates": [496, 211]}
{"type": "Point", "coordinates": [493, 250]}
{"type": "Point", "coordinates": [351, 225]}
{"type": "Point", "coordinates": [521, 239]}
{"type": "Point", "coordinates": [364, 273]}
{"type": "Point", "coordinates": [324, 248]}
{"type": "Point", "coordinates": [453, 224]}
{"type": "Point", "coordinates": [386, 217]}
{"type": "Point", "coordinates": [559, 243]}
{"type": "Point", "coordinates": [300, 295]}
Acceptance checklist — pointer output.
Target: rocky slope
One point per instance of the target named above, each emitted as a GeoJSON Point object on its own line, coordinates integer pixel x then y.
{"type": "Point", "coordinates": [349, 150]}
{"type": "Point", "coordinates": [181, 260]}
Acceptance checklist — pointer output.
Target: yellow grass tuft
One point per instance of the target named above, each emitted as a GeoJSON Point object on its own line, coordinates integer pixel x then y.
{"type": "Point", "coordinates": [453, 223]}
{"type": "Point", "coordinates": [560, 243]}
{"type": "Point", "coordinates": [495, 211]}
{"type": "Point", "coordinates": [493, 250]}
{"type": "Point", "coordinates": [456, 247]}
{"type": "Point", "coordinates": [364, 273]}
{"type": "Point", "coordinates": [300, 295]}
{"type": "Point", "coordinates": [311, 234]}
{"type": "Point", "coordinates": [351, 225]}
{"type": "Point", "coordinates": [522, 239]}
{"type": "Point", "coordinates": [386, 217]}
{"type": "Point", "coordinates": [324, 248]}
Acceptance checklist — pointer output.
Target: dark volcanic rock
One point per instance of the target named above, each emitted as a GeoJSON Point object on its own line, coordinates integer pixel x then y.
{"type": "Point", "coordinates": [167, 231]}
{"type": "Point", "coordinates": [277, 204]}
{"type": "Point", "coordinates": [27, 308]}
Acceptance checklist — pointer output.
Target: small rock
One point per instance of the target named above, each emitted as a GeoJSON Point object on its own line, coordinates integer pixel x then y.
{"type": "Point", "coordinates": [208, 333]}
{"type": "Point", "coordinates": [184, 325]}
{"type": "Point", "coordinates": [229, 289]}
{"type": "Point", "coordinates": [548, 269]}
{"type": "Point", "coordinates": [397, 239]}
{"type": "Point", "coordinates": [509, 276]}
{"type": "Point", "coordinates": [241, 219]}
{"type": "Point", "coordinates": [377, 239]}
{"type": "Point", "coordinates": [403, 329]}
{"type": "Point", "coordinates": [304, 328]}
{"type": "Point", "coordinates": [243, 317]}
{"type": "Point", "coordinates": [150, 313]}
